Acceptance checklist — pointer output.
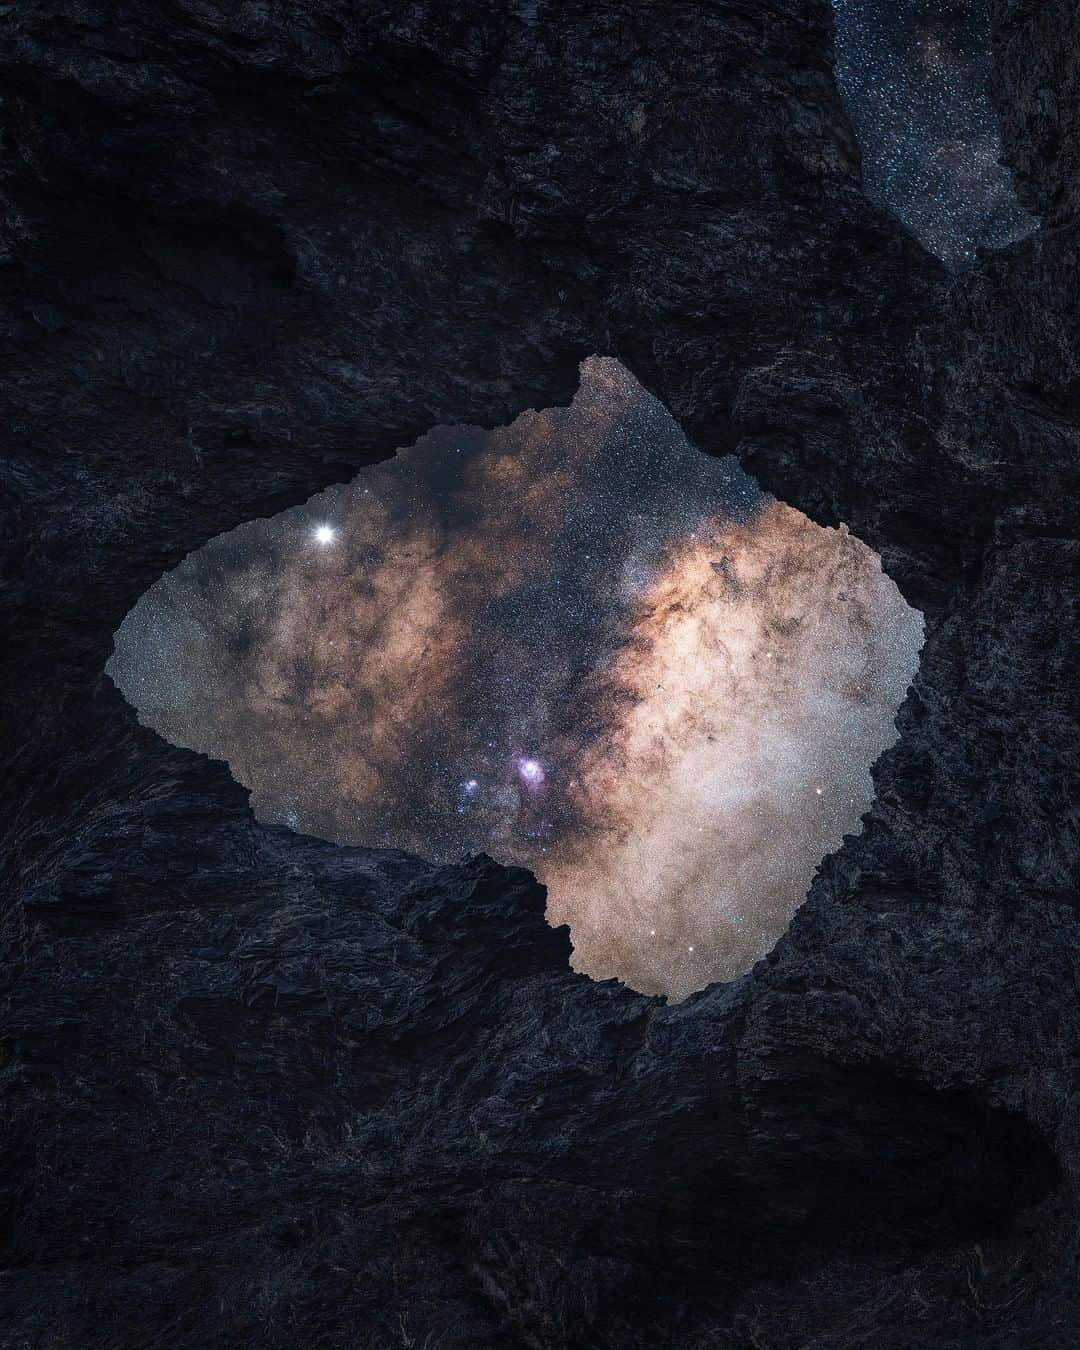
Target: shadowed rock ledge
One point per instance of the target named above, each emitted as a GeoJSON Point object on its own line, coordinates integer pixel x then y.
{"type": "Point", "coordinates": [262, 1090]}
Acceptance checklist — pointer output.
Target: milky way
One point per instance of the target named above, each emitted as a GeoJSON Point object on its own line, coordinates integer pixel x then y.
{"type": "Point", "coordinates": [575, 643]}
{"type": "Point", "coordinates": [915, 75]}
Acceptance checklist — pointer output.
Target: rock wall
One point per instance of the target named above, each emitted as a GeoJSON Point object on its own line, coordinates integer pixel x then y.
{"type": "Point", "coordinates": [1038, 80]}
{"type": "Point", "coordinates": [260, 1090]}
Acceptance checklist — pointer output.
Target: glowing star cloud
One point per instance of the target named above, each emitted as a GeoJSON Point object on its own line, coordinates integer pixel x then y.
{"type": "Point", "coordinates": [712, 673]}
{"type": "Point", "coordinates": [531, 772]}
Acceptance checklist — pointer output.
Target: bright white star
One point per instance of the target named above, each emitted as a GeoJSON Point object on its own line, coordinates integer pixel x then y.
{"type": "Point", "coordinates": [325, 534]}
{"type": "Point", "coordinates": [532, 771]}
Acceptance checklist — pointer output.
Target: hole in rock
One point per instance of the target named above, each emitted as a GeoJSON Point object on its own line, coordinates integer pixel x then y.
{"type": "Point", "coordinates": [915, 76]}
{"type": "Point", "coordinates": [575, 643]}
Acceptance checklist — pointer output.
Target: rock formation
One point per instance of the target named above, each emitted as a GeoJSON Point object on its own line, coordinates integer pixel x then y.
{"type": "Point", "coordinates": [261, 1090]}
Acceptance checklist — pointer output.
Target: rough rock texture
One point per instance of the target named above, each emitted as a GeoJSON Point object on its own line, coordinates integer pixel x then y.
{"type": "Point", "coordinates": [1038, 97]}
{"type": "Point", "coordinates": [261, 1090]}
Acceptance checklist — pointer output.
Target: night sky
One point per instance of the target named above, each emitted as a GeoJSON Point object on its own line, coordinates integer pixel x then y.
{"type": "Point", "coordinates": [915, 77]}
{"type": "Point", "coordinates": [575, 643]}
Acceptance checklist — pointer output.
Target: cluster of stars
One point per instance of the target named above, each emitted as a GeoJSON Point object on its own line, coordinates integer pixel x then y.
{"type": "Point", "coordinates": [915, 78]}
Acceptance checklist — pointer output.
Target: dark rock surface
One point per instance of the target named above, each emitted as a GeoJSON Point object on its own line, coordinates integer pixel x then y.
{"type": "Point", "coordinates": [261, 1090]}
{"type": "Point", "coordinates": [1037, 65]}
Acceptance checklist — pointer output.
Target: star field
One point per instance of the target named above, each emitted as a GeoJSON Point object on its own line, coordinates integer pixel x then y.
{"type": "Point", "coordinates": [915, 77]}
{"type": "Point", "coordinates": [575, 643]}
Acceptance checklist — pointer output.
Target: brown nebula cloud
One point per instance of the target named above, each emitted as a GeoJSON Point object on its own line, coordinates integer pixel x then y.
{"type": "Point", "coordinates": [759, 679]}
{"type": "Point", "coordinates": [575, 643]}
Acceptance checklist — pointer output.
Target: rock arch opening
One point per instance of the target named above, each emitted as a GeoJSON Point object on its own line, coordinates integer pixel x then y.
{"type": "Point", "coordinates": [575, 643]}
